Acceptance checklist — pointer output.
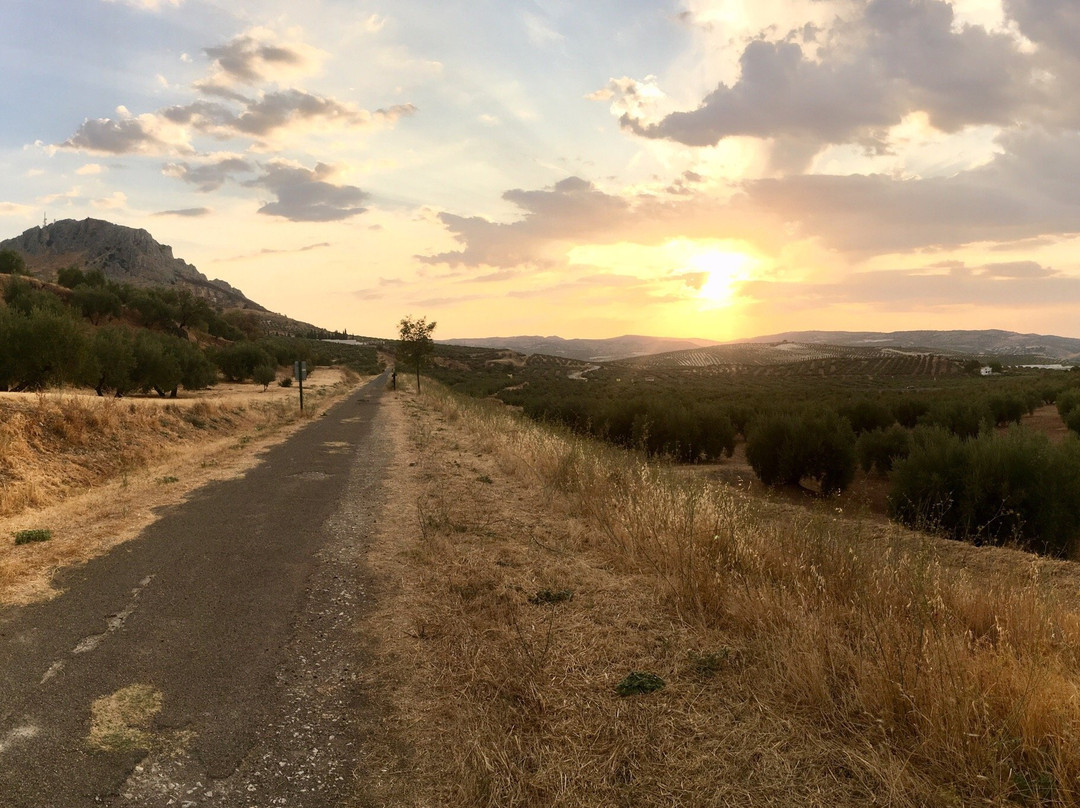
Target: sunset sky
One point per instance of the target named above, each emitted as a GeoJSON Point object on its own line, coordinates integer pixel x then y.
{"type": "Point", "coordinates": [704, 168]}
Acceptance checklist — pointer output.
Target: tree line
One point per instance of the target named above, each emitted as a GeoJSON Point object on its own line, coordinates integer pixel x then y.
{"type": "Point", "coordinates": [119, 339]}
{"type": "Point", "coordinates": [951, 467]}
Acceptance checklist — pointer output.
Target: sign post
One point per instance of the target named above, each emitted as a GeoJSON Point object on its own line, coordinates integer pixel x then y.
{"type": "Point", "coordinates": [299, 370]}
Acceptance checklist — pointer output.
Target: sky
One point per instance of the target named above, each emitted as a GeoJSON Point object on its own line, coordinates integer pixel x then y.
{"type": "Point", "coordinates": [688, 168]}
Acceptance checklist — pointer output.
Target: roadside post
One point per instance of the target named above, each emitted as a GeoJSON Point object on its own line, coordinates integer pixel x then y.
{"type": "Point", "coordinates": [299, 370]}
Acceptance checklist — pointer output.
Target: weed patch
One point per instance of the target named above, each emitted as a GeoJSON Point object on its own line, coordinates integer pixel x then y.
{"type": "Point", "coordinates": [30, 536]}
{"type": "Point", "coordinates": [637, 683]}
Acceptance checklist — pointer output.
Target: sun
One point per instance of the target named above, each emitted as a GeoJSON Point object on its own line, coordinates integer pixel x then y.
{"type": "Point", "coordinates": [724, 270]}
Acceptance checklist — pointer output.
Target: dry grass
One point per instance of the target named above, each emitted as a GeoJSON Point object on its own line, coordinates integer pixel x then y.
{"type": "Point", "coordinates": [809, 659]}
{"type": "Point", "coordinates": [122, 721]}
{"type": "Point", "coordinates": [92, 470]}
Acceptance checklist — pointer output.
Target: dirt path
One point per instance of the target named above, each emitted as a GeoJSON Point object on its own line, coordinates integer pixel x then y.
{"type": "Point", "coordinates": [216, 659]}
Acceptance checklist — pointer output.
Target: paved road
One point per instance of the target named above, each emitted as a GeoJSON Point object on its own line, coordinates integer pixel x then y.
{"type": "Point", "coordinates": [240, 611]}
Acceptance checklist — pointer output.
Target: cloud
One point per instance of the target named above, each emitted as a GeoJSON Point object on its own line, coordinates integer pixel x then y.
{"type": "Point", "coordinates": [573, 208]}
{"type": "Point", "coordinates": [260, 56]}
{"type": "Point", "coordinates": [265, 116]}
{"type": "Point", "coordinates": [208, 176]}
{"type": "Point", "coordinates": [89, 169]}
{"type": "Point", "coordinates": [862, 76]}
{"type": "Point", "coordinates": [308, 195]}
{"type": "Point", "coordinates": [575, 212]}
{"type": "Point", "coordinates": [292, 109]}
{"type": "Point", "coordinates": [144, 134]}
{"type": "Point", "coordinates": [15, 209]}
{"type": "Point", "coordinates": [115, 201]}
{"type": "Point", "coordinates": [1024, 195]}
{"type": "Point", "coordinates": [923, 289]}
{"type": "Point", "coordinates": [275, 115]}
{"type": "Point", "coordinates": [185, 212]}
{"type": "Point", "coordinates": [1026, 192]}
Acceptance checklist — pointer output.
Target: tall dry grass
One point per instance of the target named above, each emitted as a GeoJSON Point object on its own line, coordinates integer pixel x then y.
{"type": "Point", "coordinates": [53, 446]}
{"type": "Point", "coordinates": [944, 685]}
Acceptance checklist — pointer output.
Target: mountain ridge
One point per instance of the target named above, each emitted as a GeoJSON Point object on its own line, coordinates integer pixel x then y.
{"type": "Point", "coordinates": [588, 350]}
{"type": "Point", "coordinates": [123, 254]}
{"type": "Point", "coordinates": [986, 343]}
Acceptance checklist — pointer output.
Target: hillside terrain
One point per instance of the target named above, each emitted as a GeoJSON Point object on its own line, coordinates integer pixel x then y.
{"type": "Point", "coordinates": [126, 255]}
{"type": "Point", "coordinates": [794, 346]}
{"type": "Point", "coordinates": [585, 350]}
{"type": "Point", "coordinates": [988, 342]}
{"type": "Point", "coordinates": [123, 254]}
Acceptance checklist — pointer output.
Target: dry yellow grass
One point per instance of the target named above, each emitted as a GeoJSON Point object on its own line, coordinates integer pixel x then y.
{"type": "Point", "coordinates": [809, 659]}
{"type": "Point", "coordinates": [92, 470]}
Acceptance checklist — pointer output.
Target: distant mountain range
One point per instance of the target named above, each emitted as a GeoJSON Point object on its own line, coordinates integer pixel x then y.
{"type": "Point", "coordinates": [986, 343]}
{"type": "Point", "coordinates": [586, 350]}
{"type": "Point", "coordinates": [123, 254]}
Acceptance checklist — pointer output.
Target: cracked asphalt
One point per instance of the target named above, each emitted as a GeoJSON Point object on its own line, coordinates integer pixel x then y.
{"type": "Point", "coordinates": [244, 609]}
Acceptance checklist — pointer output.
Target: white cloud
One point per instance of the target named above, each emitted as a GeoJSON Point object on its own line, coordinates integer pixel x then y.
{"type": "Point", "coordinates": [90, 169]}
{"type": "Point", "coordinates": [308, 195]}
{"type": "Point", "coordinates": [15, 209]}
{"type": "Point", "coordinates": [209, 175]}
{"type": "Point", "coordinates": [851, 79]}
{"type": "Point", "coordinates": [246, 100]}
{"type": "Point", "coordinates": [115, 201]}
{"type": "Point", "coordinates": [260, 56]}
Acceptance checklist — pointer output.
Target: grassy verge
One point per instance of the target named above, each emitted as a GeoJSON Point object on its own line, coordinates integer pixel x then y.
{"type": "Point", "coordinates": [92, 470]}
{"type": "Point", "coordinates": [807, 659]}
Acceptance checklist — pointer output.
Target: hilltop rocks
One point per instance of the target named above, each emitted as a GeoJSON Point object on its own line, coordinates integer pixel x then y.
{"type": "Point", "coordinates": [123, 254]}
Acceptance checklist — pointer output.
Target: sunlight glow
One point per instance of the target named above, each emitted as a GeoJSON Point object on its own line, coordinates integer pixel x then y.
{"type": "Point", "coordinates": [724, 269]}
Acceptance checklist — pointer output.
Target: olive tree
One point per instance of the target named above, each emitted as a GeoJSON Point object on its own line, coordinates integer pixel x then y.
{"type": "Point", "coordinates": [415, 343]}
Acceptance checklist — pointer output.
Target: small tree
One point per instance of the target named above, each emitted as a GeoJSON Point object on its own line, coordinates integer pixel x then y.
{"type": "Point", "coordinates": [11, 263]}
{"type": "Point", "coordinates": [264, 375]}
{"type": "Point", "coordinates": [415, 343]}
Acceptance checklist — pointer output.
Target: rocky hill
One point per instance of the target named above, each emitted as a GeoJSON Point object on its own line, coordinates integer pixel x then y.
{"type": "Point", "coordinates": [123, 254]}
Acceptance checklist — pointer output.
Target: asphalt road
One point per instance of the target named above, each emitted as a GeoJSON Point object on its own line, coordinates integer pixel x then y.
{"type": "Point", "coordinates": [240, 612]}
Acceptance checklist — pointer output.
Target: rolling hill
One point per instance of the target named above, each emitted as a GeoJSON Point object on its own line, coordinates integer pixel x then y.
{"type": "Point", "coordinates": [585, 350]}
{"type": "Point", "coordinates": [985, 343]}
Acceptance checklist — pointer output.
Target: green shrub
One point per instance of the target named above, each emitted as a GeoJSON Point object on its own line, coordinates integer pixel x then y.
{"type": "Point", "coordinates": [785, 449]}
{"type": "Point", "coordinates": [997, 488]}
{"type": "Point", "coordinates": [908, 411]}
{"type": "Point", "coordinates": [1072, 420]}
{"type": "Point", "coordinates": [1068, 401]}
{"type": "Point", "coordinates": [11, 263]}
{"type": "Point", "coordinates": [637, 682]}
{"type": "Point", "coordinates": [879, 450]}
{"type": "Point", "coordinates": [264, 375]}
{"type": "Point", "coordinates": [1008, 409]}
{"type": "Point", "coordinates": [28, 536]}
{"type": "Point", "coordinates": [867, 415]}
{"type": "Point", "coordinates": [238, 362]}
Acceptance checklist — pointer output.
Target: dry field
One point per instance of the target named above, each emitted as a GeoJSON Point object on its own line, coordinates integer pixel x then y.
{"type": "Point", "coordinates": [92, 470]}
{"type": "Point", "coordinates": [808, 658]}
